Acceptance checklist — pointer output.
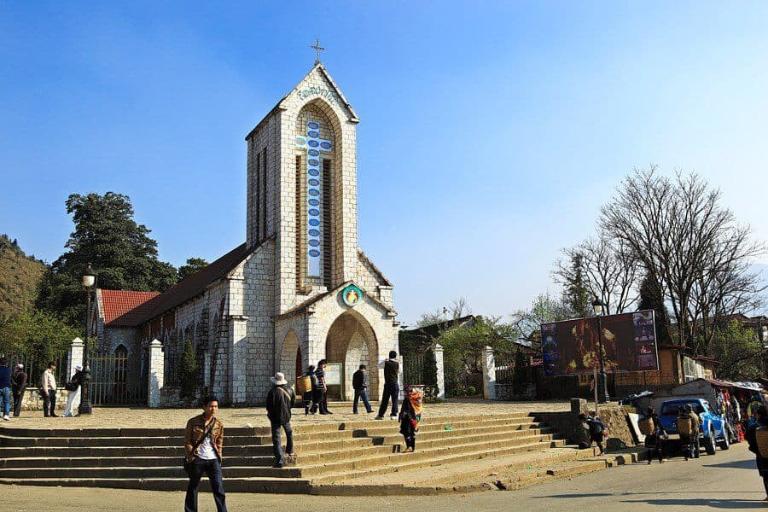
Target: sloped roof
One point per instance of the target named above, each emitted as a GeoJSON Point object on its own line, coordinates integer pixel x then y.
{"type": "Point", "coordinates": [122, 307]}
{"type": "Point", "coordinates": [193, 285]}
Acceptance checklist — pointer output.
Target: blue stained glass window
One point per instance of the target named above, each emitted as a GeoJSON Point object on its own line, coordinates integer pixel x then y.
{"type": "Point", "coordinates": [314, 172]}
{"type": "Point", "coordinates": [314, 143]}
{"type": "Point", "coordinates": [313, 125]}
{"type": "Point", "coordinates": [314, 212]}
{"type": "Point", "coordinates": [314, 253]}
{"type": "Point", "coordinates": [314, 161]}
{"type": "Point", "coordinates": [314, 243]}
{"type": "Point", "coordinates": [314, 152]}
{"type": "Point", "coordinates": [324, 145]}
{"type": "Point", "coordinates": [314, 182]}
{"type": "Point", "coordinates": [314, 222]}
{"type": "Point", "coordinates": [314, 192]}
{"type": "Point", "coordinates": [314, 202]}
{"type": "Point", "coordinates": [313, 134]}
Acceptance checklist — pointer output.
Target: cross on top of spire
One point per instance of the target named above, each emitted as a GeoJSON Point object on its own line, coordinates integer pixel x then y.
{"type": "Point", "coordinates": [317, 49]}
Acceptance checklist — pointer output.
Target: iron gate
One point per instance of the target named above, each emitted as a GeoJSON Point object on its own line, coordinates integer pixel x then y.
{"type": "Point", "coordinates": [115, 381]}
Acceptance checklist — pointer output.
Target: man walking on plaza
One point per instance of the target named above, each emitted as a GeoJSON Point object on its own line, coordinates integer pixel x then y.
{"type": "Point", "coordinates": [19, 386]}
{"type": "Point", "coordinates": [203, 445]}
{"type": "Point", "coordinates": [280, 400]}
{"type": "Point", "coordinates": [360, 385]}
{"type": "Point", "coordinates": [5, 388]}
{"type": "Point", "coordinates": [48, 390]}
{"type": "Point", "coordinates": [391, 386]}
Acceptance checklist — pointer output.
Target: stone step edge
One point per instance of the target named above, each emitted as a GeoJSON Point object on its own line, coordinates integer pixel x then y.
{"type": "Point", "coordinates": [316, 429]}
{"type": "Point", "coordinates": [351, 489]}
{"type": "Point", "coordinates": [233, 484]}
{"type": "Point", "coordinates": [379, 452]}
{"type": "Point", "coordinates": [426, 452]}
{"type": "Point", "coordinates": [479, 454]}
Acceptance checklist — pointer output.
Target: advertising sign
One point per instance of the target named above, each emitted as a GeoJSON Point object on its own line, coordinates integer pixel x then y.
{"type": "Point", "coordinates": [627, 342]}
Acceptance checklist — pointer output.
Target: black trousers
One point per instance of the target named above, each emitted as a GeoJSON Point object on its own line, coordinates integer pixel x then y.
{"type": "Point", "coordinates": [49, 403]}
{"type": "Point", "coordinates": [391, 390]}
{"type": "Point", "coordinates": [211, 468]}
{"type": "Point", "coordinates": [277, 444]}
{"type": "Point", "coordinates": [18, 397]}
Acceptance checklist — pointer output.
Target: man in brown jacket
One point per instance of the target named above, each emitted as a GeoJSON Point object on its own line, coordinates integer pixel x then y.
{"type": "Point", "coordinates": [203, 444]}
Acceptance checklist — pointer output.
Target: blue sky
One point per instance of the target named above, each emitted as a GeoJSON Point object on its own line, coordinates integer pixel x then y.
{"type": "Point", "coordinates": [490, 134]}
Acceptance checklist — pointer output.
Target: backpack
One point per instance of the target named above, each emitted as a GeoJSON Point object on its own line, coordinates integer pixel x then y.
{"type": "Point", "coordinates": [646, 426]}
{"type": "Point", "coordinates": [684, 425]}
{"type": "Point", "coordinates": [596, 427]}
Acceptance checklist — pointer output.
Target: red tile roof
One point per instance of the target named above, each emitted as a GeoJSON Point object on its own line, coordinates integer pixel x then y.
{"type": "Point", "coordinates": [122, 307]}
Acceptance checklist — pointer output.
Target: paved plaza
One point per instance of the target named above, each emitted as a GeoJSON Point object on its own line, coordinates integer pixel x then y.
{"type": "Point", "coordinates": [118, 417]}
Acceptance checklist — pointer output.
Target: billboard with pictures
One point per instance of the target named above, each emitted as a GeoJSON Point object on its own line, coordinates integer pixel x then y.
{"type": "Point", "coordinates": [628, 342]}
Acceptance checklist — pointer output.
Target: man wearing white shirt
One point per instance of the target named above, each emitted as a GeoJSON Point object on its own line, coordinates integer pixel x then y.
{"type": "Point", "coordinates": [48, 390]}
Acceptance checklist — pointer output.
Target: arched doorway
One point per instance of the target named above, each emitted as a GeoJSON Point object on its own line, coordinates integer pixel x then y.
{"type": "Point", "coordinates": [290, 358]}
{"type": "Point", "coordinates": [350, 343]}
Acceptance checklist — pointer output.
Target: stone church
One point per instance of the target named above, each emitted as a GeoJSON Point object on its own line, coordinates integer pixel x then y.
{"type": "Point", "coordinates": [298, 290]}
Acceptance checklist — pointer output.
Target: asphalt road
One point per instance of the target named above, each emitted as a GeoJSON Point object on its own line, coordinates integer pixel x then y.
{"type": "Point", "coordinates": [725, 481]}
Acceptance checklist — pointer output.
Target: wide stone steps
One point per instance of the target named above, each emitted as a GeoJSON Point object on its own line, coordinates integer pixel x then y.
{"type": "Point", "coordinates": [414, 461]}
{"type": "Point", "coordinates": [327, 452]}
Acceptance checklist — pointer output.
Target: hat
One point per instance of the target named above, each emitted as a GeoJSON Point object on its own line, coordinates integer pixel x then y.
{"type": "Point", "coordinates": [78, 368]}
{"type": "Point", "coordinates": [279, 379]}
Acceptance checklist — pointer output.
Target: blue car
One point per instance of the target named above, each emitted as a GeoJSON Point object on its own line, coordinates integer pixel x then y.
{"type": "Point", "coordinates": [715, 430]}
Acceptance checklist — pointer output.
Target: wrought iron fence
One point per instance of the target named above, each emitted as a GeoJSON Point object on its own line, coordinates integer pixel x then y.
{"type": "Point", "coordinates": [35, 368]}
{"type": "Point", "coordinates": [111, 382]}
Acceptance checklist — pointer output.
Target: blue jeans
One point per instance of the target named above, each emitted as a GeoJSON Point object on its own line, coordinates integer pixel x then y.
{"type": "Point", "coordinates": [277, 448]}
{"type": "Point", "coordinates": [5, 397]}
{"type": "Point", "coordinates": [361, 393]}
{"type": "Point", "coordinates": [391, 390]}
{"type": "Point", "coordinates": [212, 468]}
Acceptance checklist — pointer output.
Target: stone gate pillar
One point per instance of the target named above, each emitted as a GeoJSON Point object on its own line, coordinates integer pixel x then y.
{"type": "Point", "coordinates": [156, 373]}
{"type": "Point", "coordinates": [440, 366]}
{"type": "Point", "coordinates": [75, 356]}
{"type": "Point", "coordinates": [489, 374]}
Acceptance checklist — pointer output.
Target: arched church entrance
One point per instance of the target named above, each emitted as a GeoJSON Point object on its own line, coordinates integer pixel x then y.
{"type": "Point", "coordinates": [290, 358]}
{"type": "Point", "coordinates": [350, 343]}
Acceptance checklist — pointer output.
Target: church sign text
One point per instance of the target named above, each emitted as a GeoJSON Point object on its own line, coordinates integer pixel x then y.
{"type": "Point", "coordinates": [326, 94]}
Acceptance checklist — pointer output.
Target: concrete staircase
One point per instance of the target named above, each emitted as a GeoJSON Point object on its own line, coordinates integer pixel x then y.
{"type": "Point", "coordinates": [328, 453]}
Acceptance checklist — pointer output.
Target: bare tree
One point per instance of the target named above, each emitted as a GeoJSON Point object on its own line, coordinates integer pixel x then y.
{"type": "Point", "coordinates": [610, 269]}
{"type": "Point", "coordinates": [687, 242]}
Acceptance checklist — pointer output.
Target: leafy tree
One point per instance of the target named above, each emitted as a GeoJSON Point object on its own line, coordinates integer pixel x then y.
{"type": "Point", "coordinates": [20, 277]}
{"type": "Point", "coordinates": [576, 293]}
{"type": "Point", "coordinates": [189, 372]}
{"type": "Point", "coordinates": [37, 334]}
{"type": "Point", "coordinates": [463, 347]}
{"type": "Point", "coordinates": [192, 266]}
{"type": "Point", "coordinates": [739, 352]}
{"type": "Point", "coordinates": [121, 251]}
{"type": "Point", "coordinates": [652, 297]}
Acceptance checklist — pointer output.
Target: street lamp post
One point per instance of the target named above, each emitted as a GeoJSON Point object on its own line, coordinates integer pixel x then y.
{"type": "Point", "coordinates": [599, 309]}
{"type": "Point", "coordinates": [89, 280]}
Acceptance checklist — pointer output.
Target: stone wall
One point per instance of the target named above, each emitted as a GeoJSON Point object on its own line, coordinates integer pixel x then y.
{"type": "Point", "coordinates": [32, 400]}
{"type": "Point", "coordinates": [567, 423]}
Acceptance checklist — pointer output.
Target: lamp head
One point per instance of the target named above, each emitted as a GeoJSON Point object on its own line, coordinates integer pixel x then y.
{"type": "Point", "coordinates": [89, 277]}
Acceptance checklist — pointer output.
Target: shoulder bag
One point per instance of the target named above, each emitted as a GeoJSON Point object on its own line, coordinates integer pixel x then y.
{"type": "Point", "coordinates": [187, 464]}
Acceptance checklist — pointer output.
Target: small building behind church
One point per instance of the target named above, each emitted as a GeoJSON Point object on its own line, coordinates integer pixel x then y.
{"type": "Point", "coordinates": [298, 290]}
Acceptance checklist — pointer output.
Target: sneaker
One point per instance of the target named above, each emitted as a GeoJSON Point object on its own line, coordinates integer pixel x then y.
{"type": "Point", "coordinates": [393, 416]}
{"type": "Point", "coordinates": [379, 418]}
{"type": "Point", "coordinates": [7, 418]}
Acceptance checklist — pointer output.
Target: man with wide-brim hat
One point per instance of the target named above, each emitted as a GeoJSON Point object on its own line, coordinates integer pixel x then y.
{"type": "Point", "coordinates": [280, 400]}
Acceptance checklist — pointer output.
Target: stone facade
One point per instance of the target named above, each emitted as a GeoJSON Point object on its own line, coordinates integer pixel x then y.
{"type": "Point", "coordinates": [280, 308]}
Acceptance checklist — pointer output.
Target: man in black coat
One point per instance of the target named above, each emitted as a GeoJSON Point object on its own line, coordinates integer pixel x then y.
{"type": "Point", "coordinates": [360, 385]}
{"type": "Point", "coordinates": [280, 400]}
{"type": "Point", "coordinates": [18, 386]}
{"type": "Point", "coordinates": [391, 386]}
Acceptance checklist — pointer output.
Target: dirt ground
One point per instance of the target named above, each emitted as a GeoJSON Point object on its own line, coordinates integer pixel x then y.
{"type": "Point", "coordinates": [115, 417]}
{"type": "Point", "coordinates": [725, 481]}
